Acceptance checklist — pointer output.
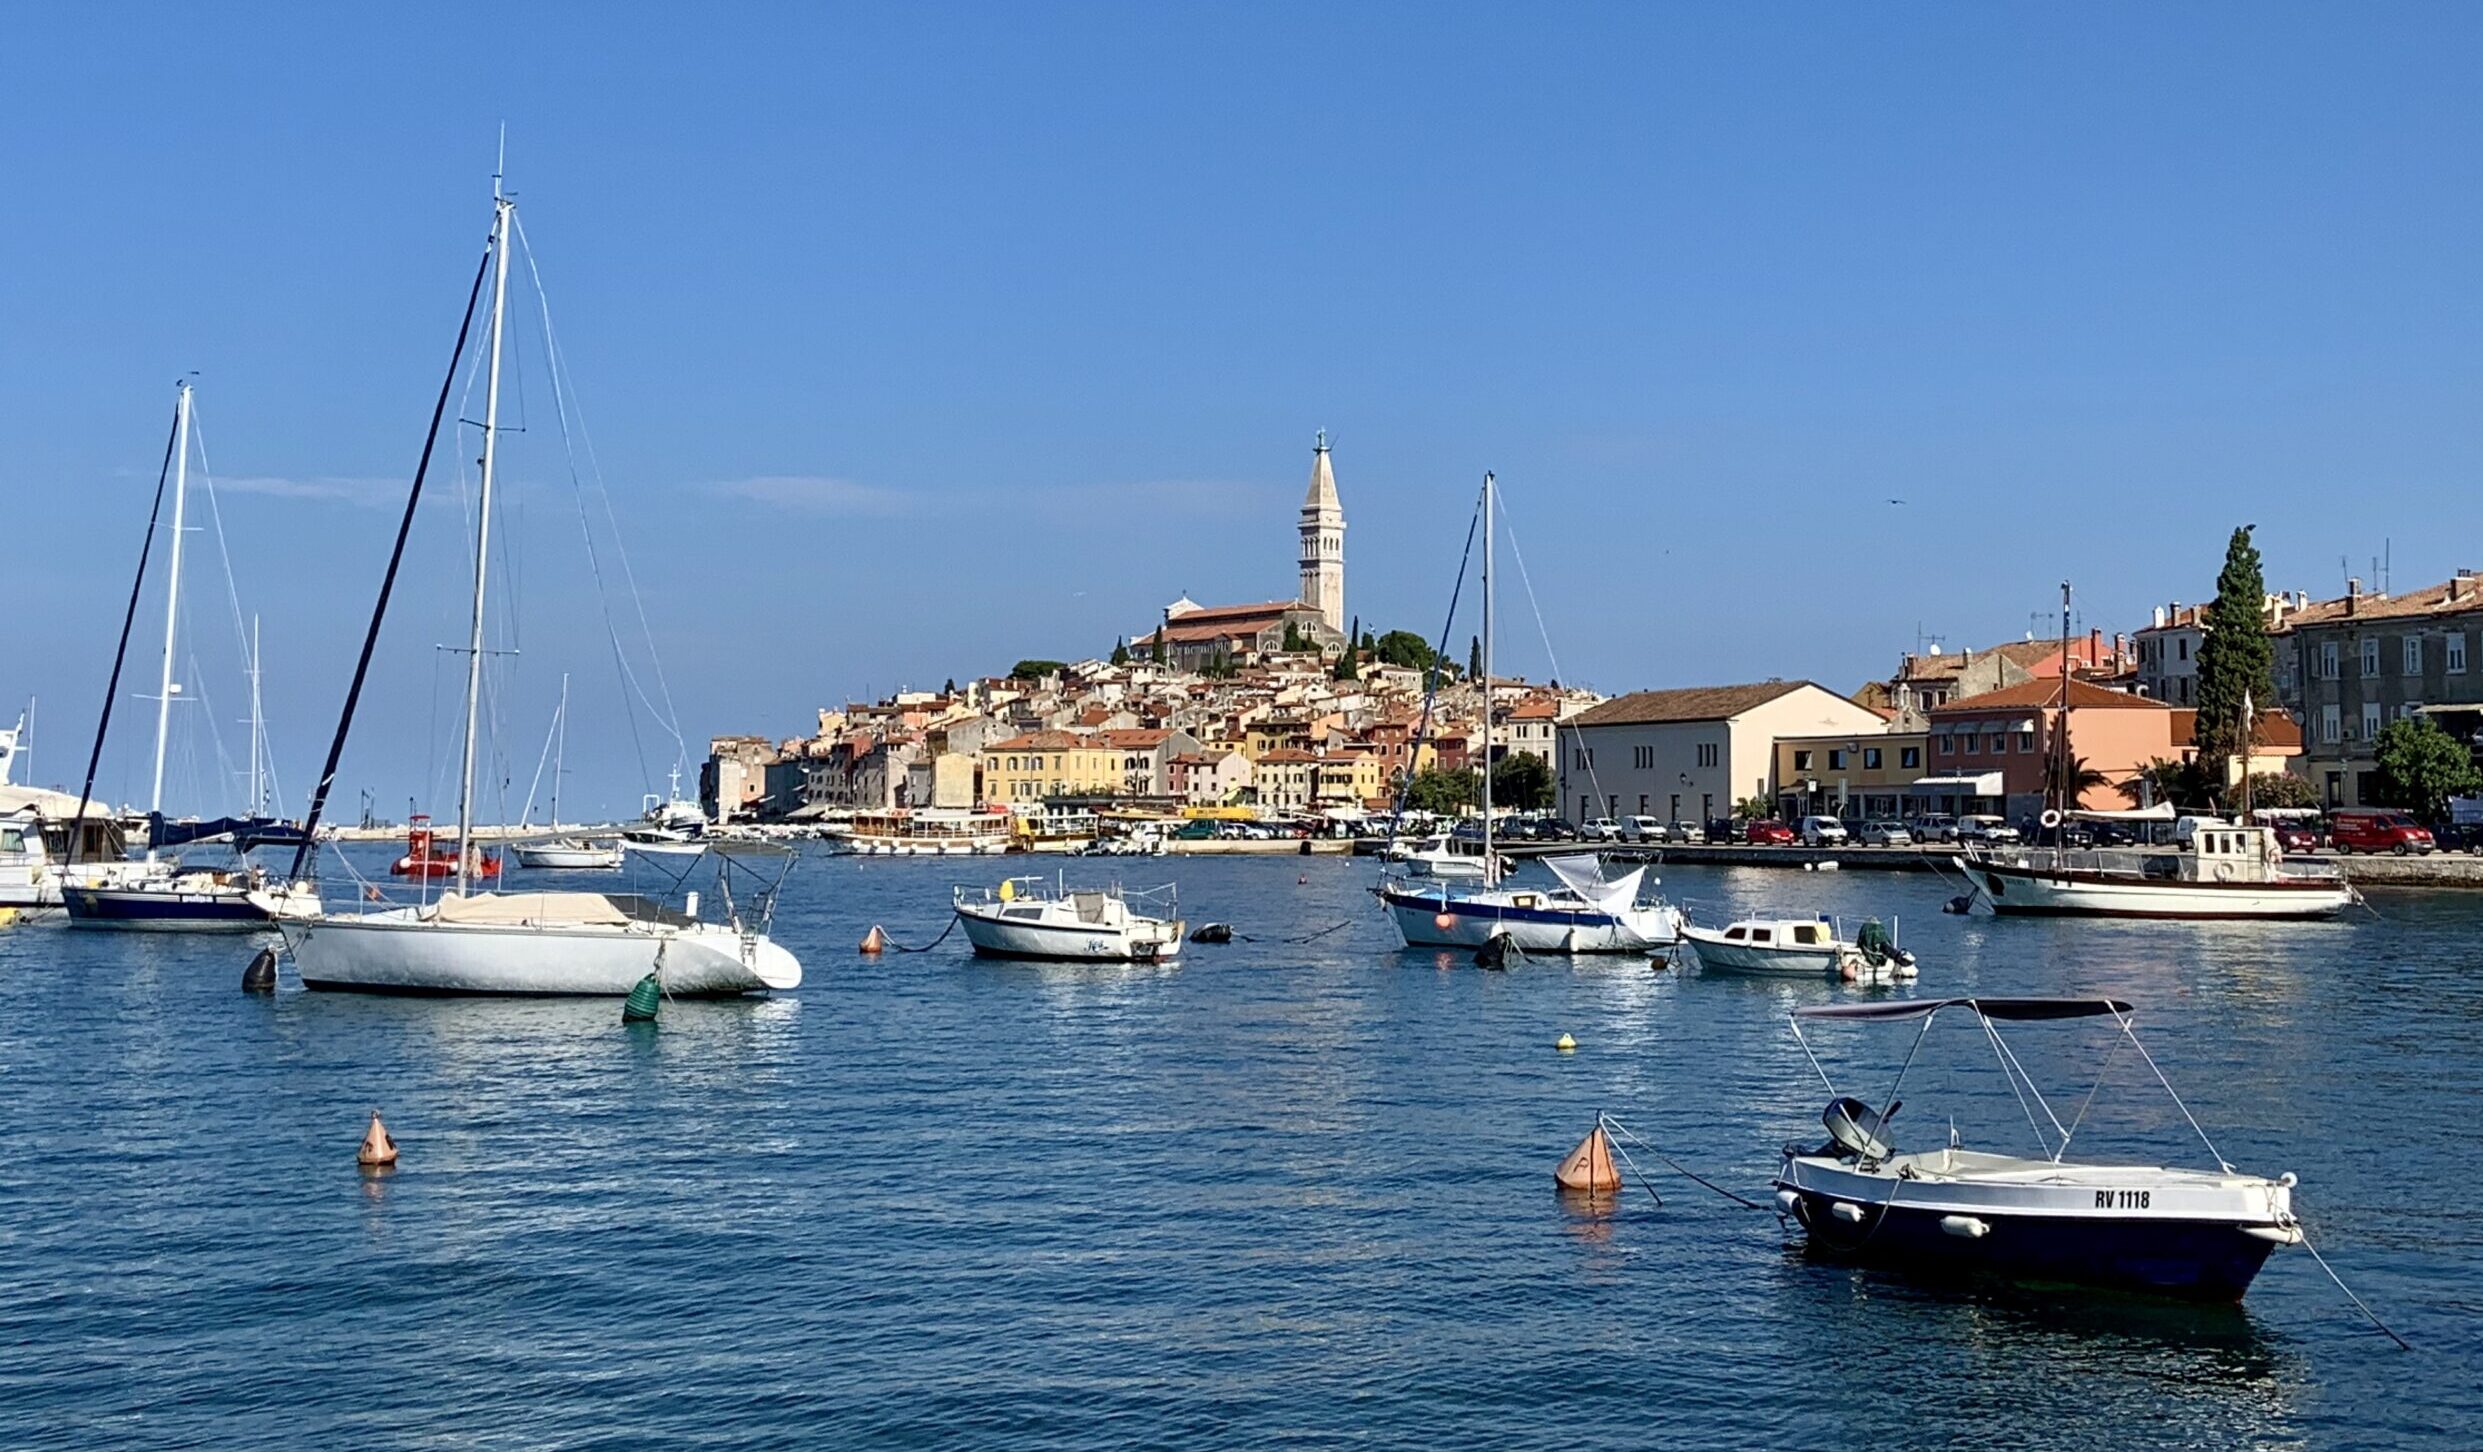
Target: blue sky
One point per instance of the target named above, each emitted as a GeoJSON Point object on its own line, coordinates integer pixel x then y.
{"type": "Point", "coordinates": [917, 339]}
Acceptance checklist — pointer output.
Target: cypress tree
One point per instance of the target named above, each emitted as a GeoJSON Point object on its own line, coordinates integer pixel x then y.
{"type": "Point", "coordinates": [1120, 651]}
{"type": "Point", "coordinates": [1474, 657]}
{"type": "Point", "coordinates": [2234, 660]}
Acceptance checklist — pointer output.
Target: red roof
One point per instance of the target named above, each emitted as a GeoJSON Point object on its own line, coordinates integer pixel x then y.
{"type": "Point", "coordinates": [2033, 695]}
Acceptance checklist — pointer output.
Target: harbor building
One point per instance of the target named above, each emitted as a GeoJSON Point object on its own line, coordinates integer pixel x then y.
{"type": "Point", "coordinates": [1993, 752]}
{"type": "Point", "coordinates": [2347, 667]}
{"type": "Point", "coordinates": [1690, 754]}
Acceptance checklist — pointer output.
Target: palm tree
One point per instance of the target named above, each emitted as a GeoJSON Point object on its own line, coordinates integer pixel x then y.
{"type": "Point", "coordinates": [2077, 781]}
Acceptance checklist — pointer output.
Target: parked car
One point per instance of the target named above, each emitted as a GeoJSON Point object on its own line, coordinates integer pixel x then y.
{"type": "Point", "coordinates": [1600, 829]}
{"type": "Point", "coordinates": [2364, 829]}
{"type": "Point", "coordinates": [2297, 837]}
{"type": "Point", "coordinates": [1690, 832]}
{"type": "Point", "coordinates": [1555, 829]}
{"type": "Point", "coordinates": [1933, 827]}
{"type": "Point", "coordinates": [1823, 832]}
{"type": "Point", "coordinates": [1769, 833]}
{"type": "Point", "coordinates": [2458, 837]}
{"type": "Point", "coordinates": [1988, 830]}
{"type": "Point", "coordinates": [1886, 834]}
{"type": "Point", "coordinates": [1642, 829]}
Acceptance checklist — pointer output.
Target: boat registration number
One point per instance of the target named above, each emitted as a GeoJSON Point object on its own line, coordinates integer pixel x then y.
{"type": "Point", "coordinates": [2122, 1199]}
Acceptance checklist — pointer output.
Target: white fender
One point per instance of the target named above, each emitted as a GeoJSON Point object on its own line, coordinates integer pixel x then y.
{"type": "Point", "coordinates": [1846, 1211]}
{"type": "Point", "coordinates": [1964, 1227]}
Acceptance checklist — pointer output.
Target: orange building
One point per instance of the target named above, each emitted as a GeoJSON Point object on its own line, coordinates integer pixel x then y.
{"type": "Point", "coordinates": [1993, 752]}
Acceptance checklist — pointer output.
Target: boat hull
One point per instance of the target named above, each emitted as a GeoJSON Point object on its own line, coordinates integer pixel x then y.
{"type": "Point", "coordinates": [1445, 920]}
{"type": "Point", "coordinates": [165, 910]}
{"type": "Point", "coordinates": [2037, 892]}
{"type": "Point", "coordinates": [569, 859]}
{"type": "Point", "coordinates": [1144, 941]}
{"type": "Point", "coordinates": [1717, 956]}
{"type": "Point", "coordinates": [398, 953]}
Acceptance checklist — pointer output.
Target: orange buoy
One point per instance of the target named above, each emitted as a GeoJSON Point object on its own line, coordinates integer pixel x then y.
{"type": "Point", "coordinates": [874, 941]}
{"type": "Point", "coordinates": [379, 1148]}
{"type": "Point", "coordinates": [1444, 921]}
{"type": "Point", "coordinates": [1589, 1168]}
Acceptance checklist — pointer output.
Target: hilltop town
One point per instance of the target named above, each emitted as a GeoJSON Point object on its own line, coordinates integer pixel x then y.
{"type": "Point", "coordinates": [1291, 709]}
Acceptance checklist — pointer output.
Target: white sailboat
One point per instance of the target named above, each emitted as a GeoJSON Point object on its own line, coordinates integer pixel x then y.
{"type": "Point", "coordinates": [565, 854]}
{"type": "Point", "coordinates": [1582, 912]}
{"type": "Point", "coordinates": [523, 942]}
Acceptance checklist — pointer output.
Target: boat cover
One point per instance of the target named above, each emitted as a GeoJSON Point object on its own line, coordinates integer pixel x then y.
{"type": "Point", "coordinates": [598, 909]}
{"type": "Point", "coordinates": [1999, 1008]}
{"type": "Point", "coordinates": [1583, 874]}
{"type": "Point", "coordinates": [2160, 812]}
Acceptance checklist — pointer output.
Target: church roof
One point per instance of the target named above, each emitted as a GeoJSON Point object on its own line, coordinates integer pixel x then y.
{"type": "Point", "coordinates": [1321, 497]}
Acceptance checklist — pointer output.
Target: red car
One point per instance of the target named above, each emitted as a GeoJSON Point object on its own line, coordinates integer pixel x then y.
{"type": "Point", "coordinates": [2363, 830]}
{"type": "Point", "coordinates": [1770, 833]}
{"type": "Point", "coordinates": [2298, 839]}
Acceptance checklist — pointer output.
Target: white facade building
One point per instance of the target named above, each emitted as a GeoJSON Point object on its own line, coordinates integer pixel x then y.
{"type": "Point", "coordinates": [1689, 754]}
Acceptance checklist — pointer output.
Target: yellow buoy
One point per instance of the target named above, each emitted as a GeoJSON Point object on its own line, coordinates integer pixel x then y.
{"type": "Point", "coordinates": [874, 941]}
{"type": "Point", "coordinates": [379, 1148]}
{"type": "Point", "coordinates": [1564, 1043]}
{"type": "Point", "coordinates": [1589, 1167]}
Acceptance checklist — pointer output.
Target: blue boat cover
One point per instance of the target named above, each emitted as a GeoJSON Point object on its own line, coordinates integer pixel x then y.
{"type": "Point", "coordinates": [1999, 1008]}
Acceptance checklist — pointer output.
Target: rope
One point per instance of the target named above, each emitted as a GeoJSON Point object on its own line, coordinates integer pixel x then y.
{"type": "Point", "coordinates": [1296, 942]}
{"type": "Point", "coordinates": [2305, 1233]}
{"type": "Point", "coordinates": [896, 947]}
{"type": "Point", "coordinates": [1613, 1126]}
{"type": "Point", "coordinates": [1431, 681]}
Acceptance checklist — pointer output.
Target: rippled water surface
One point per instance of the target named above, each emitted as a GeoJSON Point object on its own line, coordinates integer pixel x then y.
{"type": "Point", "coordinates": [1282, 1194]}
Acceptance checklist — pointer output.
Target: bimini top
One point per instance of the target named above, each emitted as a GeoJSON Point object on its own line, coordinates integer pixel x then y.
{"type": "Point", "coordinates": [2000, 1008]}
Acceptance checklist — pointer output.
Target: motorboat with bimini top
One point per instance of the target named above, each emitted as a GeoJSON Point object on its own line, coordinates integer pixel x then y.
{"type": "Point", "coordinates": [1582, 912]}
{"type": "Point", "coordinates": [1801, 948]}
{"type": "Point", "coordinates": [2194, 1234]}
{"type": "Point", "coordinates": [1025, 917]}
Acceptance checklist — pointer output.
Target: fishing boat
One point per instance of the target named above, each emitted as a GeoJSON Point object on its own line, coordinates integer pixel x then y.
{"type": "Point", "coordinates": [2211, 869]}
{"type": "Point", "coordinates": [428, 858]}
{"type": "Point", "coordinates": [514, 943]}
{"type": "Point", "coordinates": [1442, 898]}
{"type": "Point", "coordinates": [1800, 948]}
{"type": "Point", "coordinates": [1024, 917]}
{"type": "Point", "coordinates": [1582, 912]}
{"type": "Point", "coordinates": [2198, 1234]}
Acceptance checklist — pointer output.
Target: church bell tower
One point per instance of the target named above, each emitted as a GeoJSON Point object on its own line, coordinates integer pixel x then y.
{"type": "Point", "coordinates": [1323, 541]}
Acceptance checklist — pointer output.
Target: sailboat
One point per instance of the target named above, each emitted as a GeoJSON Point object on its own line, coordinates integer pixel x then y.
{"type": "Point", "coordinates": [1582, 912]}
{"type": "Point", "coordinates": [167, 896]}
{"type": "Point", "coordinates": [513, 942]}
{"type": "Point", "coordinates": [565, 854]}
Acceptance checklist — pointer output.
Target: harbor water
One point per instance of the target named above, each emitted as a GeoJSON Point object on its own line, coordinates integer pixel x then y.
{"type": "Point", "coordinates": [1286, 1193]}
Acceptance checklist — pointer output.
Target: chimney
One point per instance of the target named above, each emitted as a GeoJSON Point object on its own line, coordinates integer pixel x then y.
{"type": "Point", "coordinates": [2461, 585]}
{"type": "Point", "coordinates": [2159, 617]}
{"type": "Point", "coordinates": [2353, 594]}
{"type": "Point", "coordinates": [2094, 647]}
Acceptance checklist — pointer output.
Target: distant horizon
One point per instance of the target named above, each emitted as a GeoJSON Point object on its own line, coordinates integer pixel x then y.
{"type": "Point", "coordinates": [914, 343]}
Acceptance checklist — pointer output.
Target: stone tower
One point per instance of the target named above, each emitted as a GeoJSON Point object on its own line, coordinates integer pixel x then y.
{"type": "Point", "coordinates": [1323, 541]}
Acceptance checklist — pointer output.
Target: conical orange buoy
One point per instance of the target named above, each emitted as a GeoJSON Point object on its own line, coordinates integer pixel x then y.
{"type": "Point", "coordinates": [379, 1148]}
{"type": "Point", "coordinates": [874, 941]}
{"type": "Point", "coordinates": [1589, 1167]}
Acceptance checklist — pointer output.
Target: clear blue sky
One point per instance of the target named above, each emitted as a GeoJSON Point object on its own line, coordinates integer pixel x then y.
{"type": "Point", "coordinates": [916, 339]}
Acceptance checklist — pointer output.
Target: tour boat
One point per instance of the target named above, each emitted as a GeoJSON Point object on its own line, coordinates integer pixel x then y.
{"type": "Point", "coordinates": [2213, 869]}
{"type": "Point", "coordinates": [2197, 1234]}
{"type": "Point", "coordinates": [425, 857]}
{"type": "Point", "coordinates": [528, 942]}
{"type": "Point", "coordinates": [1800, 948]}
{"type": "Point", "coordinates": [1026, 918]}
{"type": "Point", "coordinates": [1583, 913]}
{"type": "Point", "coordinates": [925, 832]}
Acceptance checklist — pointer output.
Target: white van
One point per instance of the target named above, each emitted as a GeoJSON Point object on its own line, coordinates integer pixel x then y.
{"type": "Point", "coordinates": [1643, 829]}
{"type": "Point", "coordinates": [1823, 832]}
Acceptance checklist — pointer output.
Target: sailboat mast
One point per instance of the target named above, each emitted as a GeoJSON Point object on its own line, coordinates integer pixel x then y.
{"type": "Point", "coordinates": [560, 747]}
{"type": "Point", "coordinates": [1488, 874]}
{"type": "Point", "coordinates": [258, 730]}
{"type": "Point", "coordinates": [2060, 749]}
{"type": "Point", "coordinates": [501, 208]}
{"type": "Point", "coordinates": [172, 602]}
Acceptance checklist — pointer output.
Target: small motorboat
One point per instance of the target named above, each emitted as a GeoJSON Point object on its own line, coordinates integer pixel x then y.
{"type": "Point", "coordinates": [662, 842]}
{"type": "Point", "coordinates": [1025, 917]}
{"type": "Point", "coordinates": [1801, 948]}
{"type": "Point", "coordinates": [1437, 856]}
{"type": "Point", "coordinates": [570, 854]}
{"type": "Point", "coordinates": [2194, 1234]}
{"type": "Point", "coordinates": [426, 858]}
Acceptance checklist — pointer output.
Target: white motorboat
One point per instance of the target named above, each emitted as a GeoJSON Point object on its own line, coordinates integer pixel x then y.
{"type": "Point", "coordinates": [1024, 917]}
{"type": "Point", "coordinates": [570, 854]}
{"type": "Point", "coordinates": [1437, 857]}
{"type": "Point", "coordinates": [1800, 948]}
{"type": "Point", "coordinates": [1584, 912]}
{"type": "Point", "coordinates": [662, 842]}
{"type": "Point", "coordinates": [524, 942]}
{"type": "Point", "coordinates": [2212, 869]}
{"type": "Point", "coordinates": [36, 865]}
{"type": "Point", "coordinates": [2197, 1234]}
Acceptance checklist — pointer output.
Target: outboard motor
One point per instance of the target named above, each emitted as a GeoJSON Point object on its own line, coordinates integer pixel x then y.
{"type": "Point", "coordinates": [1856, 1131]}
{"type": "Point", "coordinates": [1212, 933]}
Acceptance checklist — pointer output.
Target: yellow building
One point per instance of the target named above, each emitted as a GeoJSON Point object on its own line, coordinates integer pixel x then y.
{"type": "Point", "coordinates": [1284, 780]}
{"type": "Point", "coordinates": [1349, 779]}
{"type": "Point", "coordinates": [1023, 770]}
{"type": "Point", "coordinates": [1276, 733]}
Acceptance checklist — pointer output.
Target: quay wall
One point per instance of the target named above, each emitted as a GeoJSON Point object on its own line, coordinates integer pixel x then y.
{"type": "Point", "coordinates": [2440, 869]}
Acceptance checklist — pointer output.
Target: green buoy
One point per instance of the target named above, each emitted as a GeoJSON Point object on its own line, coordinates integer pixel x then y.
{"type": "Point", "coordinates": [645, 997]}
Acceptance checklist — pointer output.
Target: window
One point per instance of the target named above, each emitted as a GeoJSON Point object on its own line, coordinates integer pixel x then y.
{"type": "Point", "coordinates": [1801, 761]}
{"type": "Point", "coordinates": [1870, 758]}
{"type": "Point", "coordinates": [1836, 760]}
{"type": "Point", "coordinates": [2370, 655]}
{"type": "Point", "coordinates": [2456, 665]}
{"type": "Point", "coordinates": [2328, 724]}
{"type": "Point", "coordinates": [1998, 743]}
{"type": "Point", "coordinates": [1948, 746]}
{"type": "Point", "coordinates": [1642, 757]}
{"type": "Point", "coordinates": [1642, 804]}
{"type": "Point", "coordinates": [2327, 660]}
{"type": "Point", "coordinates": [1707, 753]}
{"type": "Point", "coordinates": [2025, 741]}
{"type": "Point", "coordinates": [2185, 647]}
{"type": "Point", "coordinates": [1910, 758]}
{"type": "Point", "coordinates": [2413, 655]}
{"type": "Point", "coordinates": [2370, 720]}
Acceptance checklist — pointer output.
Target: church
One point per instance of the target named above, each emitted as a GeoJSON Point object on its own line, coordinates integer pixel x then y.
{"type": "Point", "coordinates": [1196, 635]}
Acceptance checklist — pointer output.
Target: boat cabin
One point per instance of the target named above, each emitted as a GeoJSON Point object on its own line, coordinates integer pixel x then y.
{"type": "Point", "coordinates": [1768, 935]}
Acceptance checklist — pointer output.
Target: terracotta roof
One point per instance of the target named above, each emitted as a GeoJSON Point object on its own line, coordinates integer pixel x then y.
{"type": "Point", "coordinates": [2430, 600]}
{"type": "Point", "coordinates": [1042, 741]}
{"type": "Point", "coordinates": [1135, 740]}
{"type": "Point", "coordinates": [1288, 756]}
{"type": "Point", "coordinates": [1537, 710]}
{"type": "Point", "coordinates": [2276, 731]}
{"type": "Point", "coordinates": [1688, 703]}
{"type": "Point", "coordinates": [2029, 695]}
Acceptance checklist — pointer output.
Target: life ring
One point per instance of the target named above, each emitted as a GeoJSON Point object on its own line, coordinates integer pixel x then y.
{"type": "Point", "coordinates": [2051, 817]}
{"type": "Point", "coordinates": [2224, 872]}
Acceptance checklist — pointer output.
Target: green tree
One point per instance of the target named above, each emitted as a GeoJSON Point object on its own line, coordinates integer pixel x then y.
{"type": "Point", "coordinates": [2235, 661]}
{"type": "Point", "coordinates": [1474, 656]}
{"type": "Point", "coordinates": [1522, 781]}
{"type": "Point", "coordinates": [1157, 650]}
{"type": "Point", "coordinates": [1293, 636]}
{"type": "Point", "coordinates": [2178, 782]}
{"type": "Point", "coordinates": [2422, 766]}
{"type": "Point", "coordinates": [1443, 792]}
{"type": "Point", "coordinates": [1035, 670]}
{"type": "Point", "coordinates": [2079, 779]}
{"type": "Point", "coordinates": [1120, 651]}
{"type": "Point", "coordinates": [1754, 809]}
{"type": "Point", "coordinates": [2282, 789]}
{"type": "Point", "coordinates": [1404, 648]}
{"type": "Point", "coordinates": [1369, 644]}
{"type": "Point", "coordinates": [951, 688]}
{"type": "Point", "coordinates": [1345, 668]}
